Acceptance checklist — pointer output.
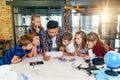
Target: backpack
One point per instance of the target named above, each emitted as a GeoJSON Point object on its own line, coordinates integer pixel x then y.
{"type": "Point", "coordinates": [101, 75]}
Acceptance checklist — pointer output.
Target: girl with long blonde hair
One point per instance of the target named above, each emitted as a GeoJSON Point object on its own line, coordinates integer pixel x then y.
{"type": "Point", "coordinates": [99, 48]}
{"type": "Point", "coordinates": [36, 26]}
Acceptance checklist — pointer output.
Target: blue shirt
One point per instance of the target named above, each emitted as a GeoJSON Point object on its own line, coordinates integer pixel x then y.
{"type": "Point", "coordinates": [15, 51]}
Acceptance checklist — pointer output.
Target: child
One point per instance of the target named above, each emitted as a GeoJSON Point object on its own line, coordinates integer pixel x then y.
{"type": "Point", "coordinates": [99, 48]}
{"type": "Point", "coordinates": [68, 49]}
{"type": "Point", "coordinates": [19, 52]}
{"type": "Point", "coordinates": [37, 27]}
{"type": "Point", "coordinates": [35, 43]}
{"type": "Point", "coordinates": [80, 44]}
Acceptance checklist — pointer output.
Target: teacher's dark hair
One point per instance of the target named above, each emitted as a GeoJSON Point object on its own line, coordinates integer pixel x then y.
{"type": "Point", "coordinates": [52, 24]}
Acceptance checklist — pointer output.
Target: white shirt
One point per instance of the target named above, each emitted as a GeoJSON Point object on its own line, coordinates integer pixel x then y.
{"type": "Point", "coordinates": [54, 45]}
{"type": "Point", "coordinates": [70, 48]}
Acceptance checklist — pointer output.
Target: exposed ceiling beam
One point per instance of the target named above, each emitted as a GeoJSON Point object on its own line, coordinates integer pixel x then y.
{"type": "Point", "coordinates": [36, 3]}
{"type": "Point", "coordinates": [59, 3]}
{"type": "Point", "coordinates": [96, 3]}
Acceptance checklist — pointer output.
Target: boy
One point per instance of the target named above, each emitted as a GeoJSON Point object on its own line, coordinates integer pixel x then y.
{"type": "Point", "coordinates": [19, 52]}
{"type": "Point", "coordinates": [68, 46]}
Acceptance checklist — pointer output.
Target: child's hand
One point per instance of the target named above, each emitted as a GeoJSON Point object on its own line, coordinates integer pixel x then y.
{"type": "Point", "coordinates": [24, 57]}
{"type": "Point", "coordinates": [64, 53]}
{"type": "Point", "coordinates": [47, 58]}
{"type": "Point", "coordinates": [16, 59]}
{"type": "Point", "coordinates": [37, 30]}
{"type": "Point", "coordinates": [62, 48]}
{"type": "Point", "coordinates": [86, 57]}
{"type": "Point", "coordinates": [35, 43]}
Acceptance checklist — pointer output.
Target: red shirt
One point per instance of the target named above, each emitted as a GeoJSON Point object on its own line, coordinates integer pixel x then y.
{"type": "Point", "coordinates": [99, 50]}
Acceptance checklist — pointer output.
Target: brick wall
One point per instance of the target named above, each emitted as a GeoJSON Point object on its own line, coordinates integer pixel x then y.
{"type": "Point", "coordinates": [6, 30]}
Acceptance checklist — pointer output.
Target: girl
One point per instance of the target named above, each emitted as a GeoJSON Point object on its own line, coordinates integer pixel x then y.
{"type": "Point", "coordinates": [80, 44]}
{"type": "Point", "coordinates": [37, 27]}
{"type": "Point", "coordinates": [99, 48]}
{"type": "Point", "coordinates": [35, 42]}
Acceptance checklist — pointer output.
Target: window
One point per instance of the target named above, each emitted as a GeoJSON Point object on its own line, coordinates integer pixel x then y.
{"type": "Point", "coordinates": [85, 23]}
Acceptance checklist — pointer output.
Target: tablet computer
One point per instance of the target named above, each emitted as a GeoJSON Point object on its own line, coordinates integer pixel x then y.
{"type": "Point", "coordinates": [54, 54]}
